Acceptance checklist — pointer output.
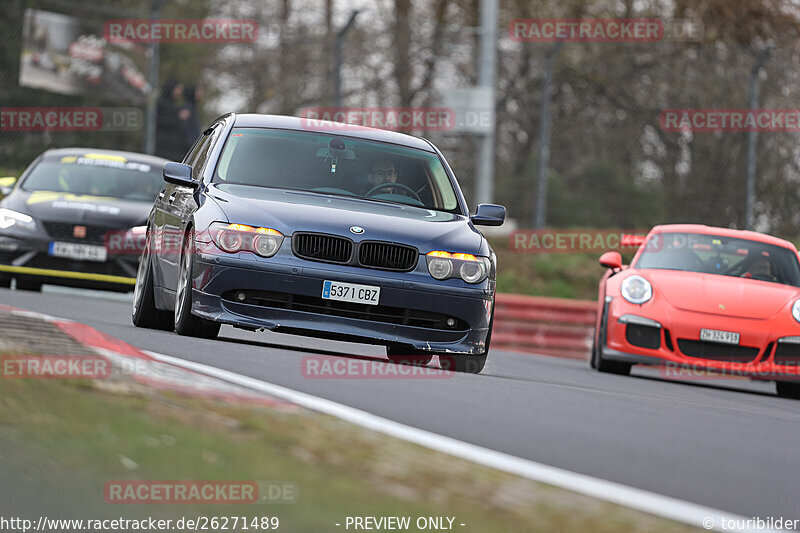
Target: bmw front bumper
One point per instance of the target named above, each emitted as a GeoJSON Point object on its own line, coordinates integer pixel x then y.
{"type": "Point", "coordinates": [283, 294]}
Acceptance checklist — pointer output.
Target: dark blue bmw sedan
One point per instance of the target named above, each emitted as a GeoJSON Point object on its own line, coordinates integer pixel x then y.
{"type": "Point", "coordinates": [320, 229]}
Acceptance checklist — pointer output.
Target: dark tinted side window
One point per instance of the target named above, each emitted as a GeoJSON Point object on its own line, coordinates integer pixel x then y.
{"type": "Point", "coordinates": [191, 155]}
{"type": "Point", "coordinates": [205, 152]}
{"type": "Point", "coordinates": [198, 155]}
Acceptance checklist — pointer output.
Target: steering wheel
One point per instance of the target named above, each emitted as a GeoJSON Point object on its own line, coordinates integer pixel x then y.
{"type": "Point", "coordinates": [393, 185]}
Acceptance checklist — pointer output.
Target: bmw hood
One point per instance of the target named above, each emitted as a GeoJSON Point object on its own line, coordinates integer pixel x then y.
{"type": "Point", "coordinates": [79, 209]}
{"type": "Point", "coordinates": [290, 211]}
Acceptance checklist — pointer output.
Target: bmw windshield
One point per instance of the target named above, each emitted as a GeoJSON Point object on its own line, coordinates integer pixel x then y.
{"type": "Point", "coordinates": [330, 164]}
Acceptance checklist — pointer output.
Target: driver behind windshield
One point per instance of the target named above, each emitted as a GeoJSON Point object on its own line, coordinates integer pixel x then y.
{"type": "Point", "coordinates": [760, 267]}
{"type": "Point", "coordinates": [383, 178]}
{"type": "Point", "coordinates": [383, 171]}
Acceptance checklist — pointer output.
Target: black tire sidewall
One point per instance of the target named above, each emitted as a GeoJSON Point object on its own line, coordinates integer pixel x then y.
{"type": "Point", "coordinates": [185, 322]}
{"type": "Point", "coordinates": [140, 312]}
{"type": "Point", "coordinates": [467, 364]}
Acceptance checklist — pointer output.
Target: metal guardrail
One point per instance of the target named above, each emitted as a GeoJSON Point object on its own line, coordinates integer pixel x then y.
{"type": "Point", "coordinates": [550, 326]}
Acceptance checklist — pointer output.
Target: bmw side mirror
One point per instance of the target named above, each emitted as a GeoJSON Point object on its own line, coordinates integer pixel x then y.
{"type": "Point", "coordinates": [611, 260]}
{"type": "Point", "coordinates": [179, 174]}
{"type": "Point", "coordinates": [6, 185]}
{"type": "Point", "coordinates": [489, 215]}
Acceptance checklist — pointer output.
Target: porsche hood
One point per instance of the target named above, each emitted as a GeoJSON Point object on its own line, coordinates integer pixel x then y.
{"type": "Point", "coordinates": [721, 295]}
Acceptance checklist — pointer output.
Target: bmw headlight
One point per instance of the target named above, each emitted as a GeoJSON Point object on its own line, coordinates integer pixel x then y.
{"type": "Point", "coordinates": [9, 218]}
{"type": "Point", "coordinates": [233, 238]}
{"type": "Point", "coordinates": [796, 310]}
{"type": "Point", "coordinates": [636, 289]}
{"type": "Point", "coordinates": [439, 265]}
{"type": "Point", "coordinates": [444, 265]}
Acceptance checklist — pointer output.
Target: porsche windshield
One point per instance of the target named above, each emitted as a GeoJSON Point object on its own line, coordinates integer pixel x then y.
{"type": "Point", "coordinates": [113, 178]}
{"type": "Point", "coordinates": [330, 164]}
{"type": "Point", "coordinates": [714, 254]}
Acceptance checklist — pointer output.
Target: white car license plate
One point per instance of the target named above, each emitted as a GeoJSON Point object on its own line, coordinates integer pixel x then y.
{"type": "Point", "coordinates": [350, 292]}
{"type": "Point", "coordinates": [83, 252]}
{"type": "Point", "coordinates": [715, 335]}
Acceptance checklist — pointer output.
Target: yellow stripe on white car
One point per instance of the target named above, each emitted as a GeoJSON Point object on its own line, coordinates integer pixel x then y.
{"type": "Point", "coordinates": [68, 274]}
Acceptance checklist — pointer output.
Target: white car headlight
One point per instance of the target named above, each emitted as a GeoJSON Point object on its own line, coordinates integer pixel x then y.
{"type": "Point", "coordinates": [796, 310]}
{"type": "Point", "coordinates": [636, 289]}
{"type": "Point", "coordinates": [10, 218]}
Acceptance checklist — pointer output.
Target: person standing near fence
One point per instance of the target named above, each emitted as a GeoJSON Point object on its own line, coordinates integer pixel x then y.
{"type": "Point", "coordinates": [170, 142]}
{"type": "Point", "coordinates": [189, 114]}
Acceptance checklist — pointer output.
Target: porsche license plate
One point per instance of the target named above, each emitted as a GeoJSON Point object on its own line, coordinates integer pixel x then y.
{"type": "Point", "coordinates": [715, 335]}
{"type": "Point", "coordinates": [350, 292]}
{"type": "Point", "coordinates": [82, 252]}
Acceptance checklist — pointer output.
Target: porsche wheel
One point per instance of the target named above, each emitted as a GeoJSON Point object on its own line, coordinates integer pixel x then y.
{"type": "Point", "coordinates": [185, 322]}
{"type": "Point", "coordinates": [145, 314]}
{"type": "Point", "coordinates": [604, 365]}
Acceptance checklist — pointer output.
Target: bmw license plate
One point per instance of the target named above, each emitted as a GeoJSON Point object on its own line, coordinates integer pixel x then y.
{"type": "Point", "coordinates": [715, 335]}
{"type": "Point", "coordinates": [82, 252]}
{"type": "Point", "coordinates": [350, 292]}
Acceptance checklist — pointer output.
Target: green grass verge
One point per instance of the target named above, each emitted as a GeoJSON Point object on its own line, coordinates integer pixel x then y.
{"type": "Point", "coordinates": [73, 438]}
{"type": "Point", "coordinates": [560, 275]}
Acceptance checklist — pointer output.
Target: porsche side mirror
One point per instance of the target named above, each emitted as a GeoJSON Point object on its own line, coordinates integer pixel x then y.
{"type": "Point", "coordinates": [179, 174]}
{"type": "Point", "coordinates": [489, 215]}
{"type": "Point", "coordinates": [6, 185]}
{"type": "Point", "coordinates": [611, 260]}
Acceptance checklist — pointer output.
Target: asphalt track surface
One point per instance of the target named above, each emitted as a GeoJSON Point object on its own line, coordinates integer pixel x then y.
{"type": "Point", "coordinates": [727, 444]}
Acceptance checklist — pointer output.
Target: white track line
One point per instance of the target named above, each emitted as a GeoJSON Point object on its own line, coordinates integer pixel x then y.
{"type": "Point", "coordinates": [641, 500]}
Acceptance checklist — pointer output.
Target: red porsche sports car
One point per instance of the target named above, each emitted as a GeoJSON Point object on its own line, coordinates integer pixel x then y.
{"type": "Point", "coordinates": [722, 300]}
